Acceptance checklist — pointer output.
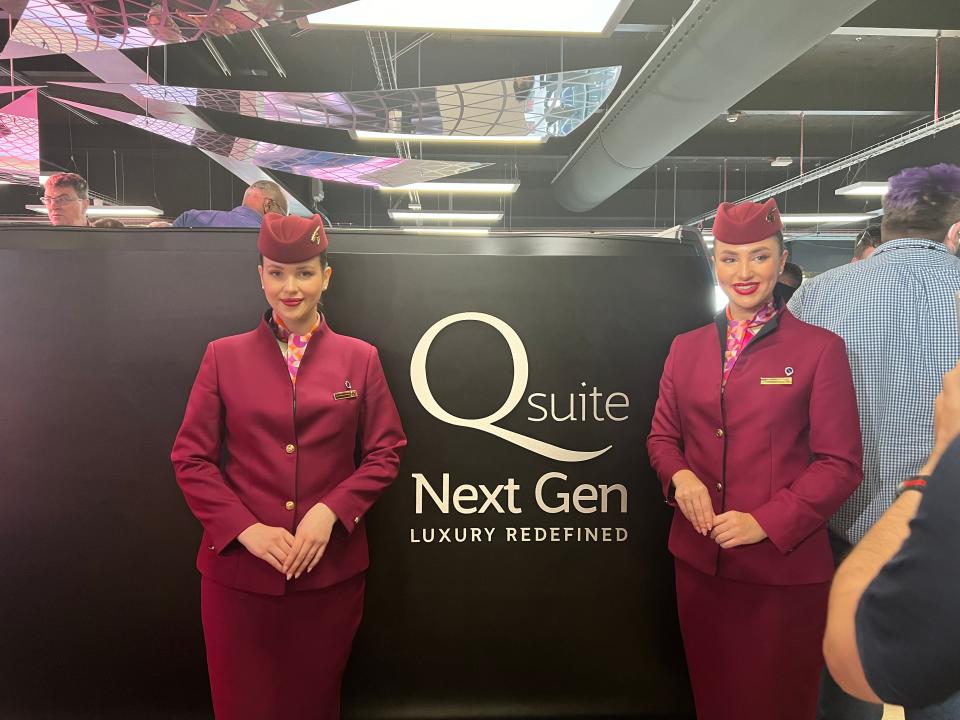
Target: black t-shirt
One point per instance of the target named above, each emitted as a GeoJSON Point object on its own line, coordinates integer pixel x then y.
{"type": "Point", "coordinates": [908, 621]}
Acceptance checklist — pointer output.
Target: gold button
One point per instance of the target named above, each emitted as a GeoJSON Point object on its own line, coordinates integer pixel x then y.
{"type": "Point", "coordinates": [356, 520]}
{"type": "Point", "coordinates": [290, 505]}
{"type": "Point", "coordinates": [719, 487]}
{"type": "Point", "coordinates": [718, 433]}
{"type": "Point", "coordinates": [290, 448]}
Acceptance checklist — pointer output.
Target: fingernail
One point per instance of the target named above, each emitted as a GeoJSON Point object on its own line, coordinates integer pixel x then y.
{"type": "Point", "coordinates": [288, 576]}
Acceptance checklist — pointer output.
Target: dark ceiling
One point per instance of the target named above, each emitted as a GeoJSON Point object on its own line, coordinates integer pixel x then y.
{"type": "Point", "coordinates": [854, 77]}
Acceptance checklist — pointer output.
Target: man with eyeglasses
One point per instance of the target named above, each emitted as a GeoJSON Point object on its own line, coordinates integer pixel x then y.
{"type": "Point", "coordinates": [66, 198]}
{"type": "Point", "coordinates": [260, 198]}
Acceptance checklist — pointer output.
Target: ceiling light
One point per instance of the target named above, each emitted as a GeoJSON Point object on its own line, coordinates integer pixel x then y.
{"type": "Point", "coordinates": [455, 188]}
{"type": "Point", "coordinates": [480, 217]}
{"type": "Point", "coordinates": [531, 17]}
{"type": "Point", "coordinates": [824, 218]}
{"type": "Point", "coordinates": [447, 231]}
{"type": "Point", "coordinates": [372, 136]}
{"type": "Point", "coordinates": [733, 117]}
{"type": "Point", "coordinates": [864, 189]}
{"type": "Point", "coordinates": [136, 211]}
{"type": "Point", "coordinates": [781, 161]}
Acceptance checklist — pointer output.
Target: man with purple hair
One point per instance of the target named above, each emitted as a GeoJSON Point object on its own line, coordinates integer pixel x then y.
{"type": "Point", "coordinates": [896, 314]}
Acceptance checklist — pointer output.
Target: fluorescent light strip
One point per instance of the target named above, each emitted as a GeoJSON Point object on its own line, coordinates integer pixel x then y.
{"type": "Point", "coordinates": [781, 162]}
{"type": "Point", "coordinates": [447, 231]}
{"type": "Point", "coordinates": [371, 136]}
{"type": "Point", "coordinates": [137, 211]}
{"type": "Point", "coordinates": [823, 219]}
{"type": "Point", "coordinates": [415, 215]}
{"type": "Point", "coordinates": [864, 189]}
{"type": "Point", "coordinates": [530, 17]}
{"type": "Point", "coordinates": [455, 188]}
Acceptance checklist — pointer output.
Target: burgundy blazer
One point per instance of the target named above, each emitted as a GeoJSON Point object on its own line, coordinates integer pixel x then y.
{"type": "Point", "coordinates": [254, 449]}
{"type": "Point", "coordinates": [789, 454]}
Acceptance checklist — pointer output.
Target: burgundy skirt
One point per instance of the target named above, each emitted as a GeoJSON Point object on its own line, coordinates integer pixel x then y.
{"type": "Point", "coordinates": [279, 656]}
{"type": "Point", "coordinates": [754, 652]}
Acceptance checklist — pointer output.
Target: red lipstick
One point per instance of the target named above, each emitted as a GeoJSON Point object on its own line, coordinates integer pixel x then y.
{"type": "Point", "coordinates": [745, 288]}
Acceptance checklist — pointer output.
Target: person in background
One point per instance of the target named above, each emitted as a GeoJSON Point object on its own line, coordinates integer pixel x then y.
{"type": "Point", "coordinates": [755, 440]}
{"type": "Point", "coordinates": [66, 198]}
{"type": "Point", "coordinates": [893, 627]}
{"type": "Point", "coordinates": [790, 279]}
{"type": "Point", "coordinates": [259, 199]}
{"type": "Point", "coordinates": [898, 318]}
{"type": "Point", "coordinates": [107, 223]}
{"type": "Point", "coordinates": [866, 243]}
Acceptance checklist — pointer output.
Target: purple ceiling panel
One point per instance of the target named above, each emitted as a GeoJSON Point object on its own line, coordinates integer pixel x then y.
{"type": "Point", "coordinates": [48, 27]}
{"type": "Point", "coordinates": [553, 104]}
{"type": "Point", "coordinates": [20, 141]}
{"type": "Point", "coordinates": [320, 164]}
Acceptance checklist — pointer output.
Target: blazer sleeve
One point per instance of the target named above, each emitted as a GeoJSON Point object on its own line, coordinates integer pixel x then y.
{"type": "Point", "coordinates": [665, 441]}
{"type": "Point", "coordinates": [798, 510]}
{"type": "Point", "coordinates": [196, 458]}
{"type": "Point", "coordinates": [380, 441]}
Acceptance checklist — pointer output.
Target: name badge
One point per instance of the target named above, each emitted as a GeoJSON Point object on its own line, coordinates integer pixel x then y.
{"type": "Point", "coordinates": [776, 381]}
{"type": "Point", "coordinates": [346, 395]}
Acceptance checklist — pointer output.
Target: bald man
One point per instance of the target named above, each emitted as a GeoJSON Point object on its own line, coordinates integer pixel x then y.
{"type": "Point", "coordinates": [260, 198]}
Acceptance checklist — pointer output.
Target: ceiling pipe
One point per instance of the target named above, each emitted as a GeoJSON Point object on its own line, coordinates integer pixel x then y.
{"type": "Point", "coordinates": [717, 53]}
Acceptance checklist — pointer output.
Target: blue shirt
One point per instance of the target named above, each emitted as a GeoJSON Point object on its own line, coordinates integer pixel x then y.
{"type": "Point", "coordinates": [895, 311]}
{"type": "Point", "coordinates": [238, 217]}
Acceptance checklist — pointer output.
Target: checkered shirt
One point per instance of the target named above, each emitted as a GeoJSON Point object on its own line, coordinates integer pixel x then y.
{"type": "Point", "coordinates": [896, 313]}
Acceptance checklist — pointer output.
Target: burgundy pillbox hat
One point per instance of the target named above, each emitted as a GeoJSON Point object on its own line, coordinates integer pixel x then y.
{"type": "Point", "coordinates": [291, 238]}
{"type": "Point", "coordinates": [746, 222]}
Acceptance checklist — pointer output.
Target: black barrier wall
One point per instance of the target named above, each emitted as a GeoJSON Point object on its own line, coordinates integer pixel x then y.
{"type": "Point", "coordinates": [519, 563]}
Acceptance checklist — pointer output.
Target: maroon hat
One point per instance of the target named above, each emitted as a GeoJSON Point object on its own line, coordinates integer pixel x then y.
{"type": "Point", "coordinates": [746, 222]}
{"type": "Point", "coordinates": [291, 238]}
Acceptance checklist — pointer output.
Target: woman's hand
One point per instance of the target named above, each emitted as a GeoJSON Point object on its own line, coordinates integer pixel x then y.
{"type": "Point", "coordinates": [694, 500]}
{"type": "Point", "coordinates": [270, 544]}
{"type": "Point", "coordinates": [310, 542]}
{"type": "Point", "coordinates": [733, 528]}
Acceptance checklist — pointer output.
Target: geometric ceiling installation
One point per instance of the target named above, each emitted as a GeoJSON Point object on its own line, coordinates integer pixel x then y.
{"type": "Point", "coordinates": [20, 141]}
{"type": "Point", "coordinates": [549, 105]}
{"type": "Point", "coordinates": [48, 27]}
{"type": "Point", "coordinates": [320, 164]}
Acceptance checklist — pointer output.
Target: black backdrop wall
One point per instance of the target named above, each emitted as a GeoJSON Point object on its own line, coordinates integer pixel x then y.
{"type": "Point", "coordinates": [548, 603]}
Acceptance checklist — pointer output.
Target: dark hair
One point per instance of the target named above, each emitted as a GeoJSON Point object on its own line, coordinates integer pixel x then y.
{"type": "Point", "coordinates": [922, 202]}
{"type": "Point", "coordinates": [107, 223]}
{"type": "Point", "coordinates": [868, 238]}
{"type": "Point", "coordinates": [71, 180]}
{"type": "Point", "coordinates": [793, 272]}
{"type": "Point", "coordinates": [324, 261]}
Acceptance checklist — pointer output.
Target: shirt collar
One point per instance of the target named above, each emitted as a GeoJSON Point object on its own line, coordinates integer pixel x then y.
{"type": "Point", "coordinates": [918, 243]}
{"type": "Point", "coordinates": [246, 211]}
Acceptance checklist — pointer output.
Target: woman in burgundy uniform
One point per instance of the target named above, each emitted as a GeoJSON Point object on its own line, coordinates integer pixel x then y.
{"type": "Point", "coordinates": [289, 436]}
{"type": "Point", "coordinates": [756, 440]}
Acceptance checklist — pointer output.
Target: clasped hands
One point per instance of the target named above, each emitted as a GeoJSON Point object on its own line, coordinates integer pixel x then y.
{"type": "Point", "coordinates": [290, 554]}
{"type": "Point", "coordinates": [729, 530]}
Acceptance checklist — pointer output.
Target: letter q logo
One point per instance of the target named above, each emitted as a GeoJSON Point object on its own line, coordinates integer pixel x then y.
{"type": "Point", "coordinates": [521, 371]}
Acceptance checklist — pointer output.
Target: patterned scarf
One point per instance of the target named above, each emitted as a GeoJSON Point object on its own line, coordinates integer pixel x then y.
{"type": "Point", "coordinates": [296, 344]}
{"type": "Point", "coordinates": [741, 332]}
